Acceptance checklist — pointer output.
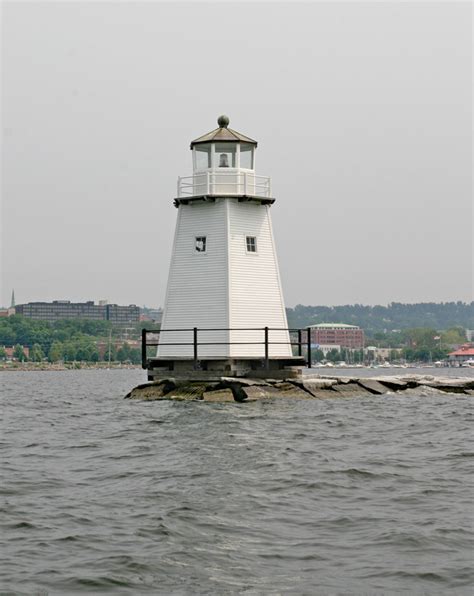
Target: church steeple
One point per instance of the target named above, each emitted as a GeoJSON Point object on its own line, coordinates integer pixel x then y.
{"type": "Point", "coordinates": [12, 305]}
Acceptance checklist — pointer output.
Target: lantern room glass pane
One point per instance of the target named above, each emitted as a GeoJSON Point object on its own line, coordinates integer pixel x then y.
{"type": "Point", "coordinates": [225, 155]}
{"type": "Point", "coordinates": [203, 157]}
{"type": "Point", "coordinates": [246, 156]}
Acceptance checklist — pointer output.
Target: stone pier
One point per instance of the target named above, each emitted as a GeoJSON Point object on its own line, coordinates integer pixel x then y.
{"type": "Point", "coordinates": [236, 389]}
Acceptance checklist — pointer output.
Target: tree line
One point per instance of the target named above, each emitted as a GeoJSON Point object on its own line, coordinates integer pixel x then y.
{"type": "Point", "coordinates": [422, 331]}
{"type": "Point", "coordinates": [67, 340]}
{"type": "Point", "coordinates": [395, 316]}
{"type": "Point", "coordinates": [79, 350]}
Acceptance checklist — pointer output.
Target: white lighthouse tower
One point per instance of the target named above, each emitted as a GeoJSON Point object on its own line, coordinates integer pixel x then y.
{"type": "Point", "coordinates": [224, 308]}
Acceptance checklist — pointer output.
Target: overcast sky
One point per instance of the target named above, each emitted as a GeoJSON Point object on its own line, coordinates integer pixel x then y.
{"type": "Point", "coordinates": [362, 112]}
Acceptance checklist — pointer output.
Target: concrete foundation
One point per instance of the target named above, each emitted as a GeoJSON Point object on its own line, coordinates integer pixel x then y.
{"type": "Point", "coordinates": [214, 369]}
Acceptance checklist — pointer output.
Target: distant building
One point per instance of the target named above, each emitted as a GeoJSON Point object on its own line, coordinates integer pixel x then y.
{"type": "Point", "coordinates": [382, 354]}
{"type": "Point", "coordinates": [326, 348]}
{"type": "Point", "coordinates": [151, 314]}
{"type": "Point", "coordinates": [64, 309]}
{"type": "Point", "coordinates": [338, 334]}
{"type": "Point", "coordinates": [7, 312]}
{"type": "Point", "coordinates": [9, 351]}
{"type": "Point", "coordinates": [122, 314]}
{"type": "Point", "coordinates": [465, 352]}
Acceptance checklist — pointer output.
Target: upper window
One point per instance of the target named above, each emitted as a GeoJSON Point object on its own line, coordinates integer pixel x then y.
{"type": "Point", "coordinates": [225, 155]}
{"type": "Point", "coordinates": [203, 157]}
{"type": "Point", "coordinates": [251, 242]}
{"type": "Point", "coordinates": [246, 156]}
{"type": "Point", "coordinates": [200, 244]}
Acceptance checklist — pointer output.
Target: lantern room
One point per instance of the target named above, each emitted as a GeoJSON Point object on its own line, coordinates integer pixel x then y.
{"type": "Point", "coordinates": [223, 148]}
{"type": "Point", "coordinates": [223, 165]}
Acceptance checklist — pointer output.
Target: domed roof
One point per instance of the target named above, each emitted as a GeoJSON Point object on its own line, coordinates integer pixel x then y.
{"type": "Point", "coordinates": [223, 134]}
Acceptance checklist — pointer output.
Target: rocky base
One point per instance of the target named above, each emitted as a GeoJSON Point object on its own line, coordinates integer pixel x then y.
{"type": "Point", "coordinates": [229, 389]}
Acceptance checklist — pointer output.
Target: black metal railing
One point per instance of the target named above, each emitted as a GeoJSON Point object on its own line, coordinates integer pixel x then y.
{"type": "Point", "coordinates": [195, 343]}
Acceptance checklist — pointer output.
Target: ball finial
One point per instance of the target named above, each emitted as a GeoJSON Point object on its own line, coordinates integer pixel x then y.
{"type": "Point", "coordinates": [223, 121]}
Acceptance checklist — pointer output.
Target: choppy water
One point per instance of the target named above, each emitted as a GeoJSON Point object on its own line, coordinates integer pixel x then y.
{"type": "Point", "coordinates": [390, 371]}
{"type": "Point", "coordinates": [344, 496]}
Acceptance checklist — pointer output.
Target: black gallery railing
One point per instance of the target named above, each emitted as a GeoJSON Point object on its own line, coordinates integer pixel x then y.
{"type": "Point", "coordinates": [302, 336]}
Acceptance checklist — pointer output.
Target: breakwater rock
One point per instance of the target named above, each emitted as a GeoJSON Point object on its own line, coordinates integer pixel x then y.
{"type": "Point", "coordinates": [231, 389]}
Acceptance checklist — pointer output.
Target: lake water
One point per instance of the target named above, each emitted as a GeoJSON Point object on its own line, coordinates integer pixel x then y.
{"type": "Point", "coordinates": [339, 496]}
{"type": "Point", "coordinates": [389, 371]}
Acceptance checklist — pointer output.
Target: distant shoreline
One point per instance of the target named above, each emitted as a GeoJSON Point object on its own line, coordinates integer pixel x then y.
{"type": "Point", "coordinates": [45, 366]}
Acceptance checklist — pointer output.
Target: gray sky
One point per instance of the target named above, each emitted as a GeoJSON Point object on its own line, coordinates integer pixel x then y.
{"type": "Point", "coordinates": [362, 112]}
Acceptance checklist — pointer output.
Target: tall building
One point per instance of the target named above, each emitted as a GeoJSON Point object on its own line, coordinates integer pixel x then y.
{"type": "Point", "coordinates": [64, 309]}
{"type": "Point", "coordinates": [338, 334]}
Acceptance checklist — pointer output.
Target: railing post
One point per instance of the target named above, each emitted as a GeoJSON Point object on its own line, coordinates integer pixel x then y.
{"type": "Point", "coordinates": [195, 347]}
{"type": "Point", "coordinates": [266, 348]}
{"type": "Point", "coordinates": [179, 187]}
{"type": "Point", "coordinates": [309, 347]}
{"type": "Point", "coordinates": [300, 351]}
{"type": "Point", "coordinates": [269, 187]}
{"type": "Point", "coordinates": [207, 183]}
{"type": "Point", "coordinates": [144, 359]}
{"type": "Point", "coordinates": [245, 184]}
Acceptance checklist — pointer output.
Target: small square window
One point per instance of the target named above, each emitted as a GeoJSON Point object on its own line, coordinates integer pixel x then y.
{"type": "Point", "coordinates": [200, 244]}
{"type": "Point", "coordinates": [251, 244]}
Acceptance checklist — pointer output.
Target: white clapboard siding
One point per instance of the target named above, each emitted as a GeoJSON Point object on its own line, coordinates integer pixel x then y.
{"type": "Point", "coordinates": [225, 287]}
{"type": "Point", "coordinates": [197, 293]}
{"type": "Point", "coordinates": [255, 295]}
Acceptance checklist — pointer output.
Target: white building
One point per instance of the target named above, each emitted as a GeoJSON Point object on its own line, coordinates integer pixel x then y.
{"type": "Point", "coordinates": [224, 278]}
{"type": "Point", "coordinates": [326, 348]}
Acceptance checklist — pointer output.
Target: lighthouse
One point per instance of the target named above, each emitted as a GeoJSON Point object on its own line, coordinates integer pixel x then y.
{"type": "Point", "coordinates": [224, 310]}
